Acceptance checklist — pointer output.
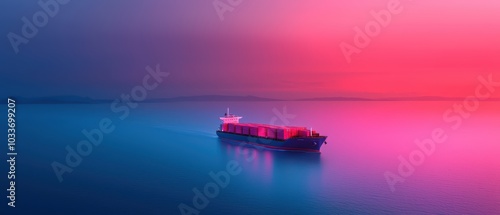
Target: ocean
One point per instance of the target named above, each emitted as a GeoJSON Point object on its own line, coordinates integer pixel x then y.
{"type": "Point", "coordinates": [382, 157]}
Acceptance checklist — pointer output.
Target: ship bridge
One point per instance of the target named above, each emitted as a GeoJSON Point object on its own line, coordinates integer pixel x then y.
{"type": "Point", "coordinates": [230, 118]}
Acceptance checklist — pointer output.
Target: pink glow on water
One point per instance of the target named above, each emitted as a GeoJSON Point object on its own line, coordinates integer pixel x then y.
{"type": "Point", "coordinates": [365, 140]}
{"type": "Point", "coordinates": [267, 166]}
{"type": "Point", "coordinates": [466, 164]}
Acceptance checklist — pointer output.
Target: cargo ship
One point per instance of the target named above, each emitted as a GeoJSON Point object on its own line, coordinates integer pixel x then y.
{"type": "Point", "coordinates": [270, 136]}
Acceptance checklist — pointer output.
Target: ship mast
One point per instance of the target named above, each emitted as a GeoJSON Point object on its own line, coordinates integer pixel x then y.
{"type": "Point", "coordinates": [230, 118]}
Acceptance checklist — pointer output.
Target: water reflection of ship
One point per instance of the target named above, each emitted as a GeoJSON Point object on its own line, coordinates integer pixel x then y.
{"type": "Point", "coordinates": [263, 162]}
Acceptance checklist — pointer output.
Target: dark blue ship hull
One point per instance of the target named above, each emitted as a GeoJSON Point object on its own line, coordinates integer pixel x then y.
{"type": "Point", "coordinates": [310, 144]}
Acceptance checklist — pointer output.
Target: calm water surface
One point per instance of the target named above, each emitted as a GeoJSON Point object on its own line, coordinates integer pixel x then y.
{"type": "Point", "coordinates": [160, 152]}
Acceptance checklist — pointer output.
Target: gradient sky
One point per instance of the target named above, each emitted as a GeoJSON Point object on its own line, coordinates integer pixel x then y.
{"type": "Point", "coordinates": [278, 49]}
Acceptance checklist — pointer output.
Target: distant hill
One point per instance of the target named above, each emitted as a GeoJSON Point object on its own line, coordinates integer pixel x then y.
{"type": "Point", "coordinates": [212, 98]}
{"type": "Point", "coordinates": [334, 99]}
{"type": "Point", "coordinates": [422, 98]}
{"type": "Point", "coordinates": [88, 100]}
{"type": "Point", "coordinates": [58, 100]}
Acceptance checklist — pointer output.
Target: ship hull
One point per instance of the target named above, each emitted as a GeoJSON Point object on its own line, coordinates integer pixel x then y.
{"type": "Point", "coordinates": [307, 144]}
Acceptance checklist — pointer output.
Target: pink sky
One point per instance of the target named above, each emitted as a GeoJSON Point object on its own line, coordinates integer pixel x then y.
{"type": "Point", "coordinates": [429, 49]}
{"type": "Point", "coordinates": [279, 49]}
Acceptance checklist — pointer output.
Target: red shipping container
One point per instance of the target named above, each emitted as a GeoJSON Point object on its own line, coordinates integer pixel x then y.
{"type": "Point", "coordinates": [254, 131]}
{"type": "Point", "coordinates": [230, 127]}
{"type": "Point", "coordinates": [245, 129]}
{"type": "Point", "coordinates": [282, 133]}
{"type": "Point", "coordinates": [261, 131]}
{"type": "Point", "coordinates": [224, 127]}
{"type": "Point", "coordinates": [271, 133]}
{"type": "Point", "coordinates": [294, 132]}
{"type": "Point", "coordinates": [308, 133]}
{"type": "Point", "coordinates": [304, 133]}
{"type": "Point", "coordinates": [315, 133]}
{"type": "Point", "coordinates": [237, 129]}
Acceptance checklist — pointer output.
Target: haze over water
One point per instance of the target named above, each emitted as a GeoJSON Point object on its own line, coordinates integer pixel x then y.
{"type": "Point", "coordinates": [92, 51]}
{"type": "Point", "coordinates": [155, 157]}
